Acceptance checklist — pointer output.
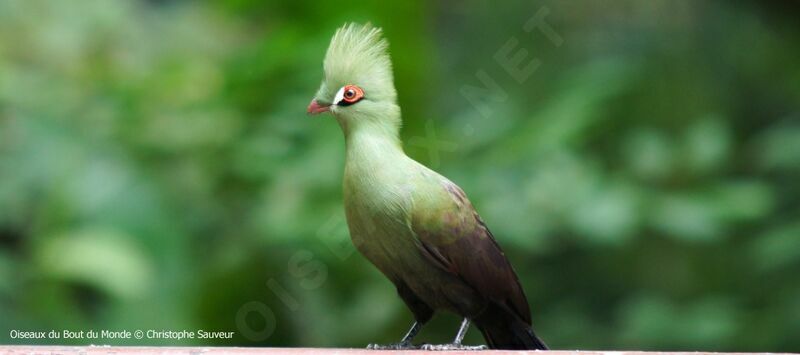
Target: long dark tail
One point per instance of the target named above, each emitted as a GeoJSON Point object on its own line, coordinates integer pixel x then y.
{"type": "Point", "coordinates": [503, 329]}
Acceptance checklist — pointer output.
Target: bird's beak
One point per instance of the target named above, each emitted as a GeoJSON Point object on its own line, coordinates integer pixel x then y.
{"type": "Point", "coordinates": [315, 108]}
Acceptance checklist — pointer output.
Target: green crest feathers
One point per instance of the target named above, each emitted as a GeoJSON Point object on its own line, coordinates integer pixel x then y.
{"type": "Point", "coordinates": [358, 54]}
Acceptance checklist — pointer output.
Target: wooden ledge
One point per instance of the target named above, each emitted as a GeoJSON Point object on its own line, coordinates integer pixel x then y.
{"type": "Point", "coordinates": [100, 349]}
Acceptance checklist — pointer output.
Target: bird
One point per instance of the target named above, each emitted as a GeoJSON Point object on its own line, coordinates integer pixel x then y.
{"type": "Point", "coordinates": [416, 226]}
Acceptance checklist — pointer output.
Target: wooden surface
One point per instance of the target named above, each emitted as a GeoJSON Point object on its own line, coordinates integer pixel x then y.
{"type": "Point", "coordinates": [288, 351]}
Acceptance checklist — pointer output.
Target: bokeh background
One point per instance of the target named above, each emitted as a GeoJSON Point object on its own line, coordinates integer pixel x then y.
{"type": "Point", "coordinates": [158, 170]}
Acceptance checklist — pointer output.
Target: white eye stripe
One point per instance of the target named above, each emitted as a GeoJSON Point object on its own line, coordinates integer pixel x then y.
{"type": "Point", "coordinates": [339, 96]}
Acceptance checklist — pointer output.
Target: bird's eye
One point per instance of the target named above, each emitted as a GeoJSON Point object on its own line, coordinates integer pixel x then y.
{"type": "Point", "coordinates": [348, 95]}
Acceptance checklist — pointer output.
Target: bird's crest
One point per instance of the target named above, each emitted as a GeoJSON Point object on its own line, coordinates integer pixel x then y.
{"type": "Point", "coordinates": [358, 54]}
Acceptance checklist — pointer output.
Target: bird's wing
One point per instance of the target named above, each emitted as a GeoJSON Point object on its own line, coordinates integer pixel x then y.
{"type": "Point", "coordinates": [453, 237]}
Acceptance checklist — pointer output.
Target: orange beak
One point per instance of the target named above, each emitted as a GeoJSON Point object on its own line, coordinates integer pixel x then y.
{"type": "Point", "coordinates": [315, 108]}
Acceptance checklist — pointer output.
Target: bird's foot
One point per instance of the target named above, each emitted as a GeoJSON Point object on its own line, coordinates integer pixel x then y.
{"type": "Point", "coordinates": [395, 346]}
{"type": "Point", "coordinates": [445, 347]}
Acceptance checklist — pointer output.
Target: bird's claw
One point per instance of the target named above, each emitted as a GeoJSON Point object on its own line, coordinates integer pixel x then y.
{"type": "Point", "coordinates": [445, 347]}
{"type": "Point", "coordinates": [395, 346]}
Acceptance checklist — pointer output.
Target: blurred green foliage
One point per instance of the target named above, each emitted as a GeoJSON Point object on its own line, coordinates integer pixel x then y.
{"type": "Point", "coordinates": [157, 170]}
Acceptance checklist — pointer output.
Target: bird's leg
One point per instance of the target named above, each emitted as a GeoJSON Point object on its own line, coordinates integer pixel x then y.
{"type": "Point", "coordinates": [406, 342]}
{"type": "Point", "coordinates": [456, 345]}
{"type": "Point", "coordinates": [462, 331]}
{"type": "Point", "coordinates": [403, 344]}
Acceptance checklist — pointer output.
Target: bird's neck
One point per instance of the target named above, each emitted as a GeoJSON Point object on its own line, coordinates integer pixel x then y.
{"type": "Point", "coordinates": [374, 158]}
{"type": "Point", "coordinates": [370, 142]}
{"type": "Point", "coordinates": [374, 163]}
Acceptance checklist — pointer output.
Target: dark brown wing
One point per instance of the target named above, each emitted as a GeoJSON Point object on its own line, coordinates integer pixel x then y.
{"type": "Point", "coordinates": [453, 236]}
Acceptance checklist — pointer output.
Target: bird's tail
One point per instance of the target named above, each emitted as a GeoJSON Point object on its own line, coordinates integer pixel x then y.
{"type": "Point", "coordinates": [503, 329]}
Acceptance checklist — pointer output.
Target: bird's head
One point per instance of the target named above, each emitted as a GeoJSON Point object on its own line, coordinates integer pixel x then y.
{"type": "Point", "coordinates": [358, 87]}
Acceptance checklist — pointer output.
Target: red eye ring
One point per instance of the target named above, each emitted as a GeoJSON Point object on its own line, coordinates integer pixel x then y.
{"type": "Point", "coordinates": [352, 94]}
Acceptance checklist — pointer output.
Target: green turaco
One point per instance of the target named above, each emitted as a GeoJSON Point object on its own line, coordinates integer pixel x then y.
{"type": "Point", "coordinates": [413, 224]}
